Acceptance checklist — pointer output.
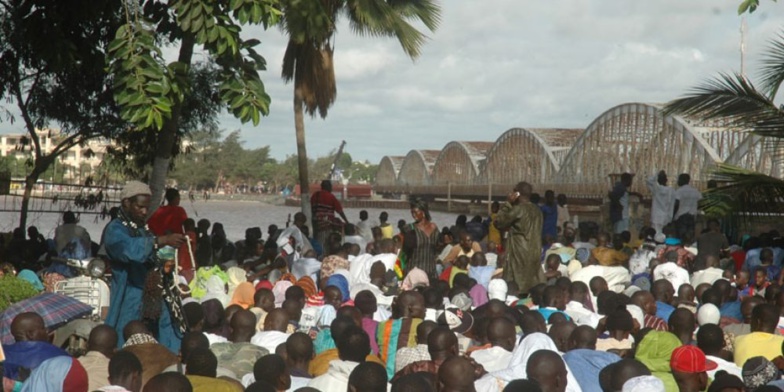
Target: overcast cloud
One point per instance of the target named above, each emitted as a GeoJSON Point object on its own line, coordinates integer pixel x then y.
{"type": "Point", "coordinates": [495, 65]}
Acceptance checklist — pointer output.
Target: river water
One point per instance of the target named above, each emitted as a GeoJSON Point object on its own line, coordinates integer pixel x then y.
{"type": "Point", "coordinates": [235, 216]}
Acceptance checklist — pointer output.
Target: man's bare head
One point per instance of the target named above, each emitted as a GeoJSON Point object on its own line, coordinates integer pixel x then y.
{"type": "Point", "coordinates": [29, 326]}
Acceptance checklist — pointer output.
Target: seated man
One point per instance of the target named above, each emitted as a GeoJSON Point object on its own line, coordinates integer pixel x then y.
{"type": "Point", "coordinates": [100, 347]}
{"type": "Point", "coordinates": [502, 336]}
{"type": "Point", "coordinates": [368, 377]}
{"type": "Point", "coordinates": [201, 371]}
{"type": "Point", "coordinates": [125, 373]}
{"type": "Point", "coordinates": [442, 345]}
{"type": "Point", "coordinates": [275, 326]}
{"type": "Point", "coordinates": [239, 354]}
{"type": "Point", "coordinates": [761, 341]}
{"type": "Point", "coordinates": [32, 347]}
{"type": "Point", "coordinates": [154, 356]}
{"type": "Point", "coordinates": [353, 346]}
{"type": "Point", "coordinates": [321, 363]}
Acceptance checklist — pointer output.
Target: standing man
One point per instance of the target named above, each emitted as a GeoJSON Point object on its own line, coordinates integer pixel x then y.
{"type": "Point", "coordinates": [663, 202]}
{"type": "Point", "coordinates": [687, 199]}
{"type": "Point", "coordinates": [168, 219]}
{"type": "Point", "coordinates": [365, 227]}
{"type": "Point", "coordinates": [523, 220]}
{"type": "Point", "coordinates": [131, 248]}
{"type": "Point", "coordinates": [323, 206]}
{"type": "Point", "coordinates": [619, 203]}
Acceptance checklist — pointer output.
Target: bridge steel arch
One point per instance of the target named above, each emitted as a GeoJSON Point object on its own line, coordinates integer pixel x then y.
{"type": "Point", "coordinates": [638, 138]}
{"type": "Point", "coordinates": [460, 163]}
{"type": "Point", "coordinates": [528, 154]}
{"type": "Point", "coordinates": [416, 168]}
{"type": "Point", "coordinates": [388, 169]}
{"type": "Point", "coordinates": [761, 154]}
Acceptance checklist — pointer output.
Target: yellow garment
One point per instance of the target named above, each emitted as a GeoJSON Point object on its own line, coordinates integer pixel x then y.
{"type": "Point", "coordinates": [320, 364]}
{"type": "Point", "coordinates": [386, 231]}
{"type": "Point", "coordinates": [755, 344]}
{"type": "Point", "coordinates": [209, 384]}
{"type": "Point", "coordinates": [454, 272]}
{"type": "Point", "coordinates": [493, 234]}
{"type": "Point", "coordinates": [609, 257]}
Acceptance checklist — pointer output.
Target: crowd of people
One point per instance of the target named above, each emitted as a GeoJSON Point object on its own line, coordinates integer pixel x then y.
{"type": "Point", "coordinates": [519, 301]}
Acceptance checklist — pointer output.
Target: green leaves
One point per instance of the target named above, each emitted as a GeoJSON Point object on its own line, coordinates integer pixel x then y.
{"type": "Point", "coordinates": [143, 87]}
{"type": "Point", "coordinates": [748, 5]}
{"type": "Point", "coordinates": [245, 96]}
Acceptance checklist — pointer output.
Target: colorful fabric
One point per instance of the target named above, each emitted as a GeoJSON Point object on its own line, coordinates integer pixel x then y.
{"type": "Point", "coordinates": [757, 344]}
{"type": "Point", "coordinates": [320, 364]}
{"type": "Point", "coordinates": [332, 263]}
{"type": "Point", "coordinates": [243, 295]}
{"type": "Point", "coordinates": [308, 286]}
{"type": "Point", "coordinates": [655, 351]}
{"type": "Point", "coordinates": [27, 355]}
{"type": "Point", "coordinates": [31, 277]}
{"type": "Point", "coordinates": [238, 357]}
{"type": "Point", "coordinates": [139, 338]}
{"type": "Point", "coordinates": [280, 291]}
{"type": "Point", "coordinates": [341, 283]}
{"type": "Point", "coordinates": [58, 374]}
{"type": "Point", "coordinates": [199, 284]}
{"type": "Point", "coordinates": [323, 341]}
{"type": "Point", "coordinates": [393, 335]}
{"type": "Point", "coordinates": [415, 278]}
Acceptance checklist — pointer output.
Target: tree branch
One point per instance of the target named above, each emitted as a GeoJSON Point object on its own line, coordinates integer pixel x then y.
{"type": "Point", "coordinates": [22, 103]}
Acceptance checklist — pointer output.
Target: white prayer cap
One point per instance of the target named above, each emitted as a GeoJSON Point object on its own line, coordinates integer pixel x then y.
{"type": "Point", "coordinates": [643, 384]}
{"type": "Point", "coordinates": [497, 289]}
{"type": "Point", "coordinates": [708, 314]}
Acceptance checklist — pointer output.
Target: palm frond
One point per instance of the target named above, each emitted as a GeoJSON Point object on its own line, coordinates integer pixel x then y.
{"type": "Point", "coordinates": [735, 100]}
{"type": "Point", "coordinates": [743, 193]}
{"type": "Point", "coordinates": [772, 72]}
{"type": "Point", "coordinates": [377, 18]}
{"type": "Point", "coordinates": [426, 11]}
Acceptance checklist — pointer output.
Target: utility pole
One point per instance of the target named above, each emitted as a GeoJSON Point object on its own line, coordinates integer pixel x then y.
{"type": "Point", "coordinates": [743, 46]}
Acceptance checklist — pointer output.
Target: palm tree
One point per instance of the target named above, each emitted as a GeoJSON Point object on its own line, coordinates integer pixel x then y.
{"type": "Point", "coordinates": [733, 100]}
{"type": "Point", "coordinates": [308, 60]}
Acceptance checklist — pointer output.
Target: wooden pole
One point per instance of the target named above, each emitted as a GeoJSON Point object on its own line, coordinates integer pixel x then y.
{"type": "Point", "coordinates": [449, 196]}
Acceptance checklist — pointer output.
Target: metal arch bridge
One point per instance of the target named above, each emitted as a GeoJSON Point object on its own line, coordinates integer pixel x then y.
{"type": "Point", "coordinates": [632, 137]}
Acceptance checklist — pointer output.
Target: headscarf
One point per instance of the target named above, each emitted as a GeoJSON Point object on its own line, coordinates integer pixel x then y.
{"type": "Point", "coordinates": [31, 277]}
{"type": "Point", "coordinates": [529, 345]}
{"type": "Point", "coordinates": [416, 277]}
{"type": "Point", "coordinates": [216, 289]}
{"type": "Point", "coordinates": [264, 284]}
{"type": "Point", "coordinates": [236, 276]}
{"type": "Point", "coordinates": [654, 351]}
{"type": "Point", "coordinates": [280, 291]}
{"type": "Point", "coordinates": [341, 283]}
{"type": "Point", "coordinates": [290, 277]}
{"type": "Point", "coordinates": [243, 295]}
{"type": "Point", "coordinates": [58, 374]}
{"type": "Point", "coordinates": [308, 286]}
{"type": "Point", "coordinates": [478, 295]}
{"type": "Point", "coordinates": [332, 263]}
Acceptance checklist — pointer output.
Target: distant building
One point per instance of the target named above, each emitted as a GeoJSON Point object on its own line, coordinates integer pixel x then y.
{"type": "Point", "coordinates": [73, 162]}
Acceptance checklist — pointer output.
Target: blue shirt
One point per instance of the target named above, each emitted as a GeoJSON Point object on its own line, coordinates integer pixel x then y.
{"type": "Point", "coordinates": [547, 312]}
{"type": "Point", "coordinates": [731, 309]}
{"type": "Point", "coordinates": [586, 364]}
{"type": "Point", "coordinates": [663, 311]}
{"type": "Point", "coordinates": [550, 220]}
{"type": "Point", "coordinates": [27, 355]}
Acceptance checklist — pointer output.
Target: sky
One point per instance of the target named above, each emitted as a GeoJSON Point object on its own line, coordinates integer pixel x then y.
{"type": "Point", "coordinates": [501, 64]}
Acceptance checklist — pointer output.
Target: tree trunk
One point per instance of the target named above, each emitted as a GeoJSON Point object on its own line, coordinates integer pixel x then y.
{"type": "Point", "coordinates": [302, 154]}
{"type": "Point", "coordinates": [167, 135]}
{"type": "Point", "coordinates": [40, 166]}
